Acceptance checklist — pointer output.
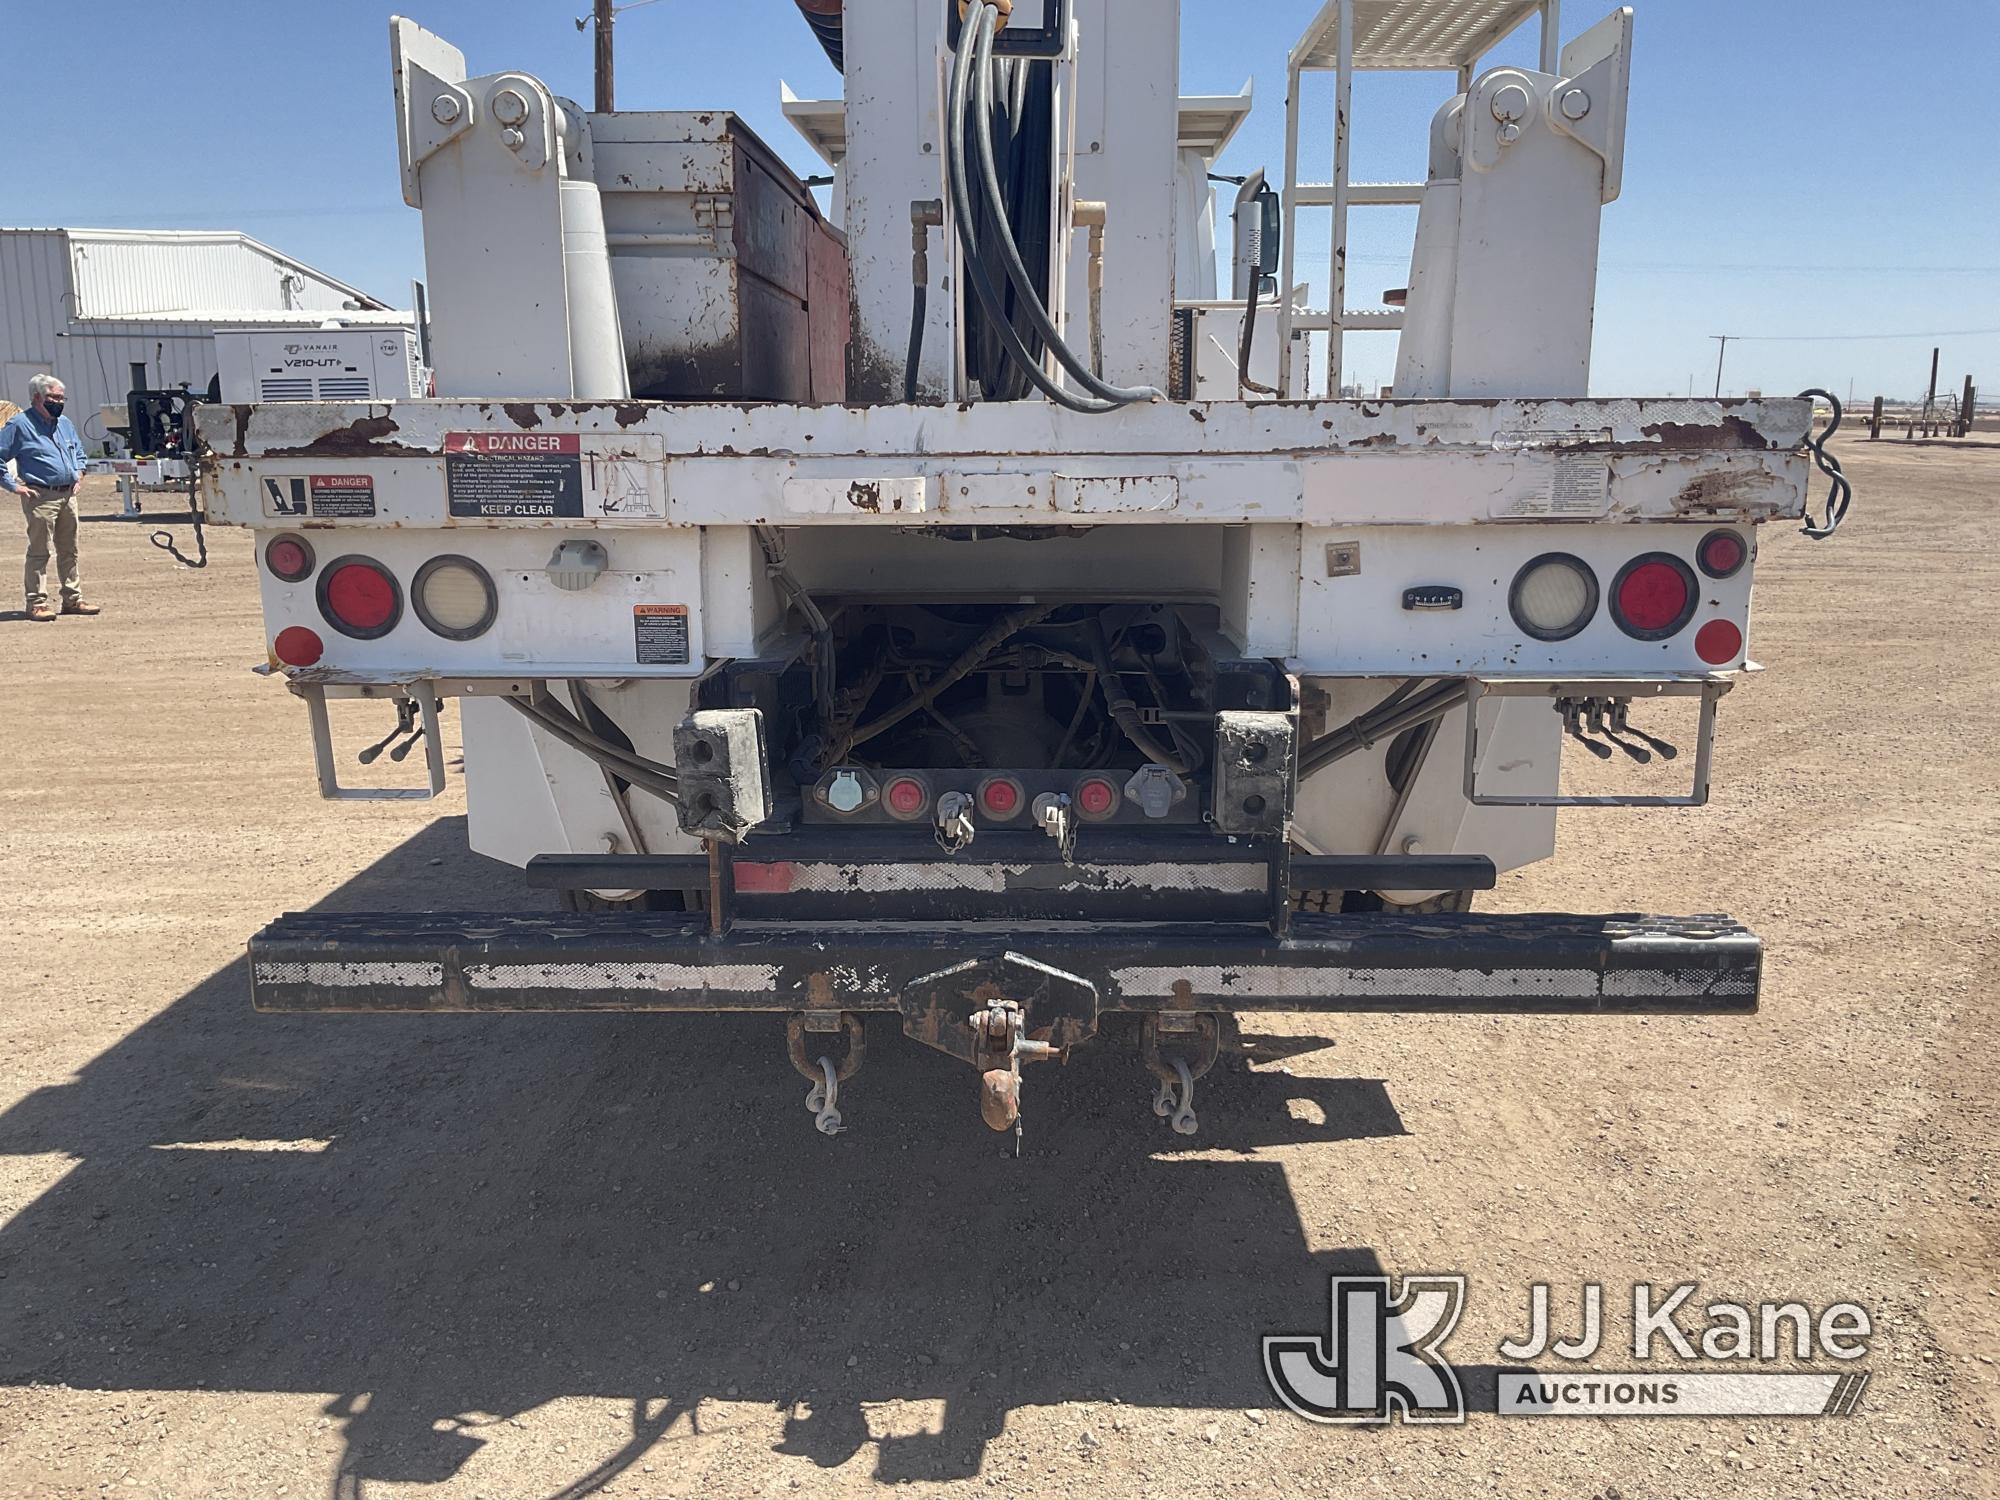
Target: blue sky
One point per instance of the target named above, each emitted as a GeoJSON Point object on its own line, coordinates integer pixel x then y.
{"type": "Point", "coordinates": [1793, 169]}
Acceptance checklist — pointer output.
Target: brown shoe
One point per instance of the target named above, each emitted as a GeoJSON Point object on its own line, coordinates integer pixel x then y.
{"type": "Point", "coordinates": [81, 607]}
{"type": "Point", "coordinates": [42, 611]}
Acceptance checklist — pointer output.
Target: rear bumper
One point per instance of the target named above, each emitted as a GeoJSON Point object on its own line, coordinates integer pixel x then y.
{"type": "Point", "coordinates": [1472, 963]}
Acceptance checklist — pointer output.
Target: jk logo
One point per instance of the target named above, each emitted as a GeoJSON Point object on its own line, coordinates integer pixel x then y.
{"type": "Point", "coordinates": [1376, 1357]}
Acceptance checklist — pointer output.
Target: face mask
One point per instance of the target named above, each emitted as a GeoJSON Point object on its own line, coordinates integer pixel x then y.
{"type": "Point", "coordinates": [53, 405]}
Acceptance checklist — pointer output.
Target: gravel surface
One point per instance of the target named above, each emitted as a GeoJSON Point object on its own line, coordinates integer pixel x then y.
{"type": "Point", "coordinates": [554, 1256]}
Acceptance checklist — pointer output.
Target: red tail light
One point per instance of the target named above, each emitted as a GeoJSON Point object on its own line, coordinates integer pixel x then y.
{"type": "Point", "coordinates": [1096, 797]}
{"type": "Point", "coordinates": [1654, 596]}
{"type": "Point", "coordinates": [1001, 798]}
{"type": "Point", "coordinates": [289, 558]}
{"type": "Point", "coordinates": [1722, 554]}
{"type": "Point", "coordinates": [360, 598]}
{"type": "Point", "coordinates": [906, 798]}
{"type": "Point", "coordinates": [297, 646]}
{"type": "Point", "coordinates": [1718, 643]}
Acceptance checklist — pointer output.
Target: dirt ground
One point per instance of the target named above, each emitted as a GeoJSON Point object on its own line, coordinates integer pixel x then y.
{"type": "Point", "coordinates": [502, 1257]}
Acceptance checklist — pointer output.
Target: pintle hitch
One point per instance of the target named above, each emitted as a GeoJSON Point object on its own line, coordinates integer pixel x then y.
{"type": "Point", "coordinates": [997, 1014]}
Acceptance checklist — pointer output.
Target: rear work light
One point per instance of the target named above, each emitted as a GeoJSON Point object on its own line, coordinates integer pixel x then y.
{"type": "Point", "coordinates": [1654, 596]}
{"type": "Point", "coordinates": [1554, 596]}
{"type": "Point", "coordinates": [906, 798]}
{"type": "Point", "coordinates": [455, 598]}
{"type": "Point", "coordinates": [289, 558]}
{"type": "Point", "coordinates": [1001, 798]}
{"type": "Point", "coordinates": [360, 598]}
{"type": "Point", "coordinates": [297, 646]}
{"type": "Point", "coordinates": [1722, 554]}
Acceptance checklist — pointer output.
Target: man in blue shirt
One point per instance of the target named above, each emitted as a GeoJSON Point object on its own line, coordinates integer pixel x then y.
{"type": "Point", "coordinates": [44, 447]}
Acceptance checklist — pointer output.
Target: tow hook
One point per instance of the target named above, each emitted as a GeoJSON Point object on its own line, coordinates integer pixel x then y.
{"type": "Point", "coordinates": [1178, 1048]}
{"type": "Point", "coordinates": [815, 1060]}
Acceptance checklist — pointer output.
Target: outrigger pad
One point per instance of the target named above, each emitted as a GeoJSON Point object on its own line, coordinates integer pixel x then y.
{"type": "Point", "coordinates": [1472, 963]}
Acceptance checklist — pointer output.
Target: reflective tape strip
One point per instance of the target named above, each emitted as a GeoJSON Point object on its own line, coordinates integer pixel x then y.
{"type": "Point", "coordinates": [738, 978]}
{"type": "Point", "coordinates": [882, 880]}
{"type": "Point", "coordinates": [333, 975]}
{"type": "Point", "coordinates": [996, 880]}
{"type": "Point", "coordinates": [1273, 979]}
{"type": "Point", "coordinates": [1680, 983]}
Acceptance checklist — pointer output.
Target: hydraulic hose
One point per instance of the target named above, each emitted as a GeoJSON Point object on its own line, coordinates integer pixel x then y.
{"type": "Point", "coordinates": [976, 273]}
{"type": "Point", "coordinates": [649, 776]}
{"type": "Point", "coordinates": [1125, 712]}
{"type": "Point", "coordinates": [1400, 711]}
{"type": "Point", "coordinates": [1251, 194]}
{"type": "Point", "coordinates": [995, 636]}
{"type": "Point", "coordinates": [1840, 491]}
{"type": "Point", "coordinates": [920, 297]}
{"type": "Point", "coordinates": [1003, 234]}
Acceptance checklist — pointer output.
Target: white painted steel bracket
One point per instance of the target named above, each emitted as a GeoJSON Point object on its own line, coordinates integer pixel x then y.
{"type": "Point", "coordinates": [1709, 689]}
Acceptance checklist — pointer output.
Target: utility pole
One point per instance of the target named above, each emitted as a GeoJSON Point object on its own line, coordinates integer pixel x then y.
{"type": "Point", "coordinates": [1722, 341]}
{"type": "Point", "coordinates": [607, 15]}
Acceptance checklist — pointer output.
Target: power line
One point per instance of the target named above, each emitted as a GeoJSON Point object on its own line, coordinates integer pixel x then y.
{"type": "Point", "coordinates": [1845, 338]}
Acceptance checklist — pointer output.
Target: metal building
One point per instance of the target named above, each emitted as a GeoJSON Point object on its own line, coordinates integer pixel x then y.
{"type": "Point", "coordinates": [111, 310]}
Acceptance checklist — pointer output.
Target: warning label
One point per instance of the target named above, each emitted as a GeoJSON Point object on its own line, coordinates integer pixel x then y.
{"type": "Point", "coordinates": [1578, 484]}
{"type": "Point", "coordinates": [660, 632]}
{"type": "Point", "coordinates": [514, 474]}
{"type": "Point", "coordinates": [553, 476]}
{"type": "Point", "coordinates": [329, 497]}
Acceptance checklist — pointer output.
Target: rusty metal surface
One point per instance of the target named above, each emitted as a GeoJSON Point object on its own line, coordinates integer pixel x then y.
{"type": "Point", "coordinates": [735, 429]}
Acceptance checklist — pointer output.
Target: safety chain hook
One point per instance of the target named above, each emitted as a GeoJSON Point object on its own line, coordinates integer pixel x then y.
{"type": "Point", "coordinates": [823, 1099]}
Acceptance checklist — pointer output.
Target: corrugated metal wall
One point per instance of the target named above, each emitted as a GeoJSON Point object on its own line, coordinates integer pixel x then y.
{"type": "Point", "coordinates": [41, 328]}
{"type": "Point", "coordinates": [133, 275]}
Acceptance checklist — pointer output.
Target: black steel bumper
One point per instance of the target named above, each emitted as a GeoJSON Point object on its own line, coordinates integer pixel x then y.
{"type": "Point", "coordinates": [1499, 964]}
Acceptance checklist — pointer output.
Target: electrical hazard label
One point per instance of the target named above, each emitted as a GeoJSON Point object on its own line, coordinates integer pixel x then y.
{"type": "Point", "coordinates": [660, 633]}
{"type": "Point", "coordinates": [514, 475]}
{"type": "Point", "coordinates": [320, 497]}
{"type": "Point", "coordinates": [552, 476]}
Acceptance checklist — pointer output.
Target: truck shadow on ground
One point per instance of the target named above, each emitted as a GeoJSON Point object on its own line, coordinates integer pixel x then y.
{"type": "Point", "coordinates": [451, 1221]}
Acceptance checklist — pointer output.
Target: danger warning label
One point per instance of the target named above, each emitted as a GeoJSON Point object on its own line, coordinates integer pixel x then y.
{"type": "Point", "coordinates": [660, 634]}
{"type": "Point", "coordinates": [514, 474]}
{"type": "Point", "coordinates": [329, 497]}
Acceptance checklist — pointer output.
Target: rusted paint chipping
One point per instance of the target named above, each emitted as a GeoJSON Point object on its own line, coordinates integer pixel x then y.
{"type": "Point", "coordinates": [524, 414]}
{"type": "Point", "coordinates": [1731, 432]}
{"type": "Point", "coordinates": [362, 438]}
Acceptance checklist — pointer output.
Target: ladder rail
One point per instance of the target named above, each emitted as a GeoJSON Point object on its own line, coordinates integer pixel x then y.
{"type": "Point", "coordinates": [1341, 194]}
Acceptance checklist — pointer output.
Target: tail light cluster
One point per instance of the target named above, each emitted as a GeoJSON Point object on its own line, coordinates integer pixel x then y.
{"type": "Point", "coordinates": [361, 599]}
{"type": "Point", "coordinates": [909, 797]}
{"type": "Point", "coordinates": [1654, 597]}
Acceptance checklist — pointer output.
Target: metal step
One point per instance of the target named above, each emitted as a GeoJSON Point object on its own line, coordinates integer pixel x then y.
{"type": "Point", "coordinates": [635, 961]}
{"type": "Point", "coordinates": [1320, 194]}
{"type": "Point", "coordinates": [1354, 320]}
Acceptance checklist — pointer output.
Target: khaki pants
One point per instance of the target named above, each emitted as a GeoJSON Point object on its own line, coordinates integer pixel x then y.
{"type": "Point", "coordinates": [50, 514]}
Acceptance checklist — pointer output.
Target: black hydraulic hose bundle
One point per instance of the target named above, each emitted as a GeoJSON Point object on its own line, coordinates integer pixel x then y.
{"type": "Point", "coordinates": [1025, 292]}
{"type": "Point", "coordinates": [1840, 493]}
{"type": "Point", "coordinates": [1401, 710]}
{"type": "Point", "coordinates": [650, 776]}
{"type": "Point", "coordinates": [1125, 712]}
{"type": "Point", "coordinates": [975, 49]}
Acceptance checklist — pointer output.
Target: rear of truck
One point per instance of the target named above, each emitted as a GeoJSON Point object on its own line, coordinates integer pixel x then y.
{"type": "Point", "coordinates": [893, 616]}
